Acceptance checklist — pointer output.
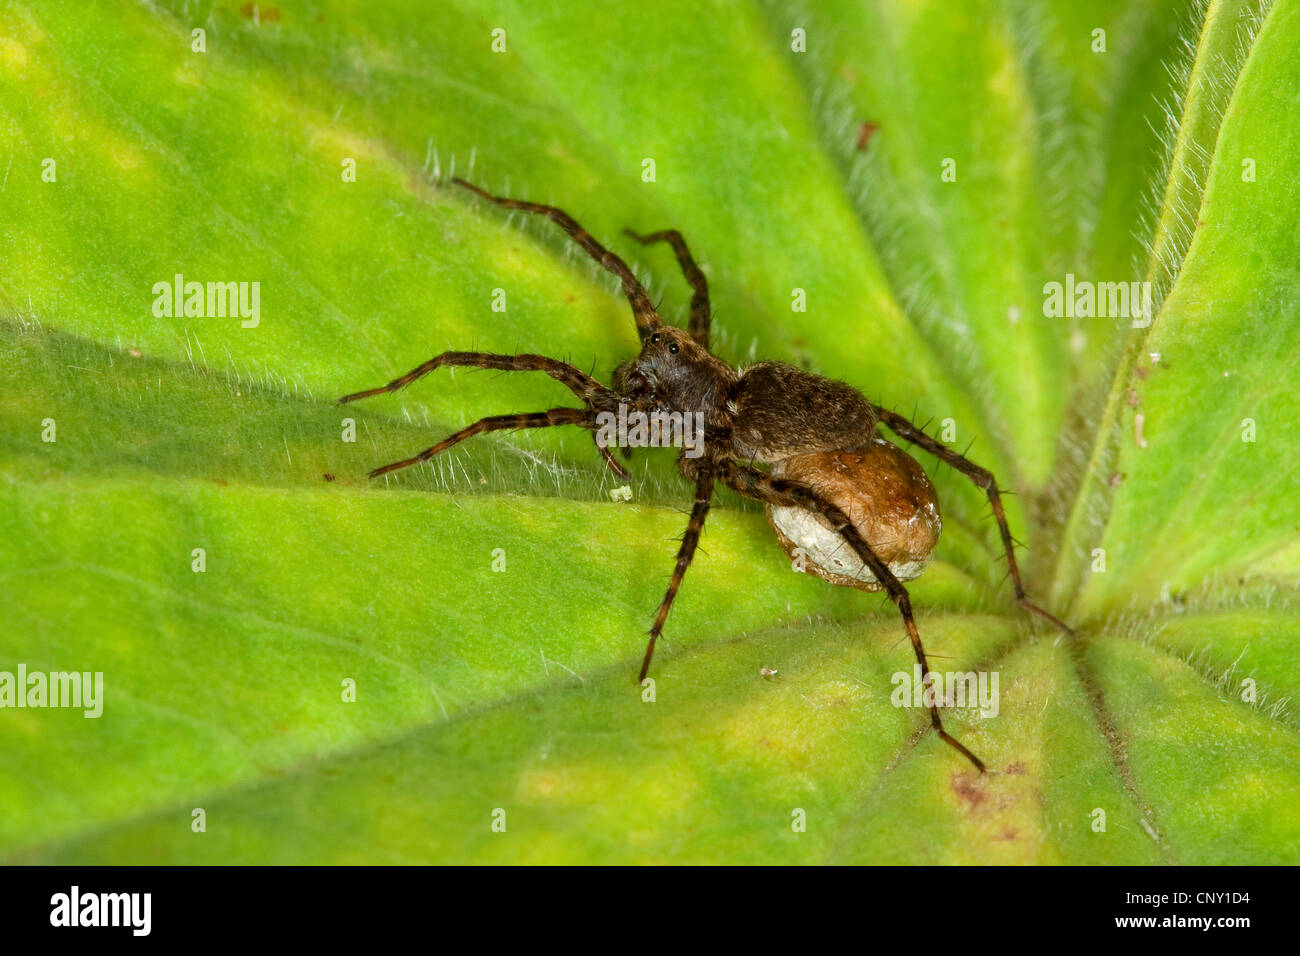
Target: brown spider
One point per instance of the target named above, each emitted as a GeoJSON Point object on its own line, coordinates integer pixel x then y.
{"type": "Point", "coordinates": [831, 478]}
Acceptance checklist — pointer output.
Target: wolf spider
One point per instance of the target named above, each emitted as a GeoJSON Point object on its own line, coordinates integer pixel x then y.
{"type": "Point", "coordinates": [831, 478]}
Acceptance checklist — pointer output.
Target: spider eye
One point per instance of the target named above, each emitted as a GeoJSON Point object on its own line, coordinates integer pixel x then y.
{"type": "Point", "coordinates": [672, 347]}
{"type": "Point", "coordinates": [655, 337]}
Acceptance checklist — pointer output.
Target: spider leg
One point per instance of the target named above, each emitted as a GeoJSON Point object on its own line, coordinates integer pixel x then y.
{"type": "Point", "coordinates": [555, 416]}
{"type": "Point", "coordinates": [701, 311]}
{"type": "Point", "coordinates": [755, 484]}
{"type": "Point", "coordinates": [613, 464]}
{"type": "Point", "coordinates": [700, 511]}
{"type": "Point", "coordinates": [643, 310]}
{"type": "Point", "coordinates": [982, 478]}
{"type": "Point", "coordinates": [574, 378]}
{"type": "Point", "coordinates": [579, 382]}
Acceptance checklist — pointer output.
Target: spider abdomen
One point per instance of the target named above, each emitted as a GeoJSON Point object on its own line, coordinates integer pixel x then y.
{"type": "Point", "coordinates": [887, 496]}
{"type": "Point", "coordinates": [779, 411]}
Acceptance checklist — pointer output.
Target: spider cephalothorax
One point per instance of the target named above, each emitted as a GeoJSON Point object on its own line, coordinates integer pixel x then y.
{"type": "Point", "coordinates": [830, 480]}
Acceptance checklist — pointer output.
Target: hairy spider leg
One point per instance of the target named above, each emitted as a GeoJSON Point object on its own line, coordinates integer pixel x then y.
{"type": "Point", "coordinates": [554, 416]}
{"type": "Point", "coordinates": [610, 460]}
{"type": "Point", "coordinates": [982, 478]}
{"type": "Point", "coordinates": [701, 311]}
{"type": "Point", "coordinates": [700, 511]}
{"type": "Point", "coordinates": [777, 491]}
{"type": "Point", "coordinates": [643, 310]}
{"type": "Point", "coordinates": [577, 381]}
{"type": "Point", "coordinates": [572, 377]}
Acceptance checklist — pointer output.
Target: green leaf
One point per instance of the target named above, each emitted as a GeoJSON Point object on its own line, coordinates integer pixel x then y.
{"type": "Point", "coordinates": [490, 607]}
